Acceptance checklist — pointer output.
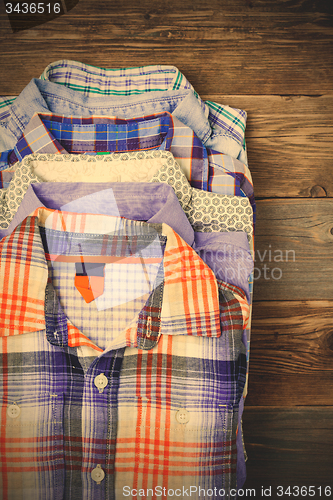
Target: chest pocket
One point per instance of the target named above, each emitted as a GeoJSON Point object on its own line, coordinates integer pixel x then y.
{"type": "Point", "coordinates": [193, 444]}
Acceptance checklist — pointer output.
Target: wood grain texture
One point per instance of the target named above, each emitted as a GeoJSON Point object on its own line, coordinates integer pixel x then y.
{"type": "Point", "coordinates": [294, 249]}
{"type": "Point", "coordinates": [291, 354]}
{"type": "Point", "coordinates": [288, 136]}
{"type": "Point", "coordinates": [288, 447]}
{"type": "Point", "coordinates": [248, 47]}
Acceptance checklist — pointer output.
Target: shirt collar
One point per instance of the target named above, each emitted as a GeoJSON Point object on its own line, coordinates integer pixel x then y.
{"type": "Point", "coordinates": [93, 134]}
{"type": "Point", "coordinates": [44, 97]}
{"type": "Point", "coordinates": [36, 138]}
{"type": "Point", "coordinates": [154, 203]}
{"type": "Point", "coordinates": [228, 122]}
{"type": "Point", "coordinates": [186, 304]}
{"type": "Point", "coordinates": [207, 211]}
{"type": "Point", "coordinates": [119, 82]}
{"type": "Point", "coordinates": [25, 175]}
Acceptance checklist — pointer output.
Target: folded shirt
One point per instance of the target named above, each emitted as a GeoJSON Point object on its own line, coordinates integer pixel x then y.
{"type": "Point", "coordinates": [148, 88]}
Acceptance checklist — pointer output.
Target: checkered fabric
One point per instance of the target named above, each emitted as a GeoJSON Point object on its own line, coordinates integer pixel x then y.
{"type": "Point", "coordinates": [5, 104]}
{"type": "Point", "coordinates": [151, 401]}
{"type": "Point", "coordinates": [129, 81]}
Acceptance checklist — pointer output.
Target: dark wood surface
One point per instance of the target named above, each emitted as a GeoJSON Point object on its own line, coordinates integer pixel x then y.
{"type": "Point", "coordinates": [291, 354]}
{"type": "Point", "coordinates": [273, 59]}
{"type": "Point", "coordinates": [293, 446]}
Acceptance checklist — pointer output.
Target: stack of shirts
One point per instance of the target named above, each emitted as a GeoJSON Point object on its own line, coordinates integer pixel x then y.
{"type": "Point", "coordinates": [126, 256]}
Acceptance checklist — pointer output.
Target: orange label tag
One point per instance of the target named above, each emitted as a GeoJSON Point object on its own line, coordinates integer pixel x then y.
{"type": "Point", "coordinates": [89, 280]}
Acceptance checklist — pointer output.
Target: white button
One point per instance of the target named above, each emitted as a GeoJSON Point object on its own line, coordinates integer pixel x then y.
{"type": "Point", "coordinates": [13, 411]}
{"type": "Point", "coordinates": [100, 382]}
{"type": "Point", "coordinates": [182, 416]}
{"type": "Point", "coordinates": [98, 474]}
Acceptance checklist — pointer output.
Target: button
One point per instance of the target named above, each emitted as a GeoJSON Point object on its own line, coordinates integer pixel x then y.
{"type": "Point", "coordinates": [182, 416]}
{"type": "Point", "coordinates": [100, 382]}
{"type": "Point", "coordinates": [98, 474]}
{"type": "Point", "coordinates": [13, 411]}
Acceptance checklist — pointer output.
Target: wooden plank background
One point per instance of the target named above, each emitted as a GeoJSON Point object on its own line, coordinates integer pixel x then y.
{"type": "Point", "coordinates": [273, 59]}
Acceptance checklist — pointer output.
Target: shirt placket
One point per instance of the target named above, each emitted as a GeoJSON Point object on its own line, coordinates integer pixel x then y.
{"type": "Point", "coordinates": [93, 396]}
{"type": "Point", "coordinates": [99, 425]}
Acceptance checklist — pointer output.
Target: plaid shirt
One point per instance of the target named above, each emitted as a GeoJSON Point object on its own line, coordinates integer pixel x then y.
{"type": "Point", "coordinates": [136, 389]}
{"type": "Point", "coordinates": [133, 81]}
{"type": "Point", "coordinates": [206, 169]}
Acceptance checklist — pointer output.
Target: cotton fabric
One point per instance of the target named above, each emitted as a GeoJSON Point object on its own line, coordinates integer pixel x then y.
{"type": "Point", "coordinates": [39, 323]}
